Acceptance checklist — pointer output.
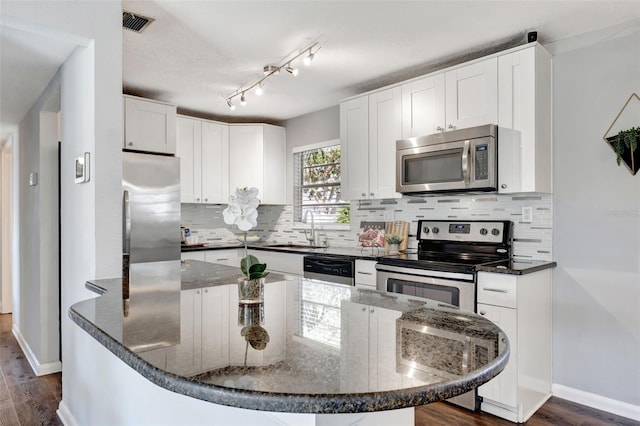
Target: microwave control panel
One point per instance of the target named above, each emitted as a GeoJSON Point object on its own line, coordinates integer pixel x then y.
{"type": "Point", "coordinates": [481, 162]}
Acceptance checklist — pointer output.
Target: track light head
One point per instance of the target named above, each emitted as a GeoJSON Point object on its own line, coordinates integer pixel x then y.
{"type": "Point", "coordinates": [270, 69]}
{"type": "Point", "coordinates": [259, 89]}
{"type": "Point", "coordinates": [243, 100]}
{"type": "Point", "coordinates": [307, 59]}
{"type": "Point", "coordinates": [291, 70]}
{"type": "Point", "coordinates": [232, 107]}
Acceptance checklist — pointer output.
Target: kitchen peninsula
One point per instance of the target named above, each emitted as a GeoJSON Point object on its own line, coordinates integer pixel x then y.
{"type": "Point", "coordinates": [182, 350]}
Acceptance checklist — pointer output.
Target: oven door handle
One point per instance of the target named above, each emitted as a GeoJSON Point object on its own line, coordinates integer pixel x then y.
{"type": "Point", "coordinates": [465, 161]}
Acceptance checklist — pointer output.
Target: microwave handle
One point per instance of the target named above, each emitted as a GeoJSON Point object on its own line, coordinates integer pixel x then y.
{"type": "Point", "coordinates": [465, 161]}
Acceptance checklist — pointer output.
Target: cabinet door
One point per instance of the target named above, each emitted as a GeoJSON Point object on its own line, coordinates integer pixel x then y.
{"type": "Point", "coordinates": [215, 327]}
{"type": "Point", "coordinates": [149, 126]}
{"type": "Point", "coordinates": [504, 387]}
{"type": "Point", "coordinates": [354, 356]}
{"type": "Point", "coordinates": [354, 146]}
{"type": "Point", "coordinates": [274, 163]}
{"type": "Point", "coordinates": [215, 162]}
{"type": "Point", "coordinates": [472, 95]}
{"type": "Point", "coordinates": [287, 263]}
{"type": "Point", "coordinates": [385, 128]}
{"type": "Point", "coordinates": [224, 257]}
{"type": "Point", "coordinates": [423, 106]}
{"type": "Point", "coordinates": [524, 145]}
{"type": "Point", "coordinates": [382, 354]}
{"type": "Point", "coordinates": [365, 274]}
{"type": "Point", "coordinates": [188, 149]}
{"type": "Point", "coordinates": [245, 158]}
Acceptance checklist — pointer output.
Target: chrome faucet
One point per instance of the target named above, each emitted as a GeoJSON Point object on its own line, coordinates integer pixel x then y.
{"type": "Point", "coordinates": [312, 237]}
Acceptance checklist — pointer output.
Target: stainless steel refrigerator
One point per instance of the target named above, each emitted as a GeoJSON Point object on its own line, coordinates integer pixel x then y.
{"type": "Point", "coordinates": [151, 249]}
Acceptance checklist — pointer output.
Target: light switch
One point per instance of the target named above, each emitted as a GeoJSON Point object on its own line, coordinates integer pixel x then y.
{"type": "Point", "coordinates": [33, 179]}
{"type": "Point", "coordinates": [527, 214]}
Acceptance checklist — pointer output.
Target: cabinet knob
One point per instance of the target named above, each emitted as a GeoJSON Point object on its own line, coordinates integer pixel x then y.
{"type": "Point", "coordinates": [206, 291]}
{"type": "Point", "coordinates": [372, 310]}
{"type": "Point", "coordinates": [451, 127]}
{"type": "Point", "coordinates": [197, 291]}
{"type": "Point", "coordinates": [503, 186]}
{"type": "Point", "coordinates": [130, 144]}
{"type": "Point", "coordinates": [364, 309]}
{"type": "Point", "coordinates": [197, 199]}
{"type": "Point", "coordinates": [364, 194]}
{"type": "Point", "coordinates": [440, 129]}
{"type": "Point", "coordinates": [372, 194]}
{"type": "Point", "coordinates": [206, 199]}
{"type": "Point", "coordinates": [483, 312]}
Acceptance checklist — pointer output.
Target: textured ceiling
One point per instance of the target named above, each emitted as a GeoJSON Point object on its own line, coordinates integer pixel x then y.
{"type": "Point", "coordinates": [197, 52]}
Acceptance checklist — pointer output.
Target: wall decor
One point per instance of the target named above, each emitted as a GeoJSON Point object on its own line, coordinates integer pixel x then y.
{"type": "Point", "coordinates": [623, 136]}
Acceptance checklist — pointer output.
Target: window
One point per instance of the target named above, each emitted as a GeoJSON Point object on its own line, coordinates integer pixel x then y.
{"type": "Point", "coordinates": [317, 184]}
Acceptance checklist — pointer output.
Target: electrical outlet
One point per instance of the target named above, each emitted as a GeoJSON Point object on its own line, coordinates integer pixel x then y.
{"type": "Point", "coordinates": [527, 214]}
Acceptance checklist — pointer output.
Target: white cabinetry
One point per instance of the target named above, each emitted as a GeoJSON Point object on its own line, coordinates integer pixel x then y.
{"type": "Point", "coordinates": [193, 255]}
{"type": "Point", "coordinates": [369, 128]}
{"type": "Point", "coordinates": [521, 306]}
{"type": "Point", "coordinates": [524, 121]}
{"type": "Point", "coordinates": [203, 147]}
{"type": "Point", "coordinates": [204, 331]}
{"type": "Point", "coordinates": [365, 274]}
{"type": "Point", "coordinates": [149, 125]}
{"type": "Point", "coordinates": [257, 158]}
{"type": "Point", "coordinates": [463, 97]}
{"type": "Point", "coordinates": [229, 257]}
{"type": "Point", "coordinates": [364, 366]}
{"type": "Point", "coordinates": [286, 263]}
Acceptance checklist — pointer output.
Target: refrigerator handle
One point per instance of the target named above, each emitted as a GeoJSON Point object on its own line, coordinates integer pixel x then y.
{"type": "Point", "coordinates": [126, 222]}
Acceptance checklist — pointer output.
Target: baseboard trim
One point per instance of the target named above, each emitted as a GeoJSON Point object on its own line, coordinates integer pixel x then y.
{"type": "Point", "coordinates": [65, 416]}
{"type": "Point", "coordinates": [598, 402]}
{"type": "Point", "coordinates": [38, 369]}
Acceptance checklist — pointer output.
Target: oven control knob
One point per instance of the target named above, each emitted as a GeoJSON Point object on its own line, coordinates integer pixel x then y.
{"type": "Point", "coordinates": [435, 230]}
{"type": "Point", "coordinates": [495, 231]}
{"type": "Point", "coordinates": [483, 231]}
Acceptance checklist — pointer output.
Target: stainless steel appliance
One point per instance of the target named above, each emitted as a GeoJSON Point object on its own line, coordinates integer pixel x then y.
{"type": "Point", "coordinates": [151, 248]}
{"type": "Point", "coordinates": [457, 160]}
{"type": "Point", "coordinates": [334, 269]}
{"type": "Point", "coordinates": [444, 267]}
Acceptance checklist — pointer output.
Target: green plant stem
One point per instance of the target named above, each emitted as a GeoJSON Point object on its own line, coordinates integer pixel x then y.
{"type": "Point", "coordinates": [246, 255]}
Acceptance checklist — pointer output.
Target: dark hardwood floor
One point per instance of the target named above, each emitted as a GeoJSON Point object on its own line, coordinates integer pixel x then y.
{"type": "Point", "coordinates": [27, 400]}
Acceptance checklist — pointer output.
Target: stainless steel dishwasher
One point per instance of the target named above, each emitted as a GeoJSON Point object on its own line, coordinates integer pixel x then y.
{"type": "Point", "coordinates": [334, 269]}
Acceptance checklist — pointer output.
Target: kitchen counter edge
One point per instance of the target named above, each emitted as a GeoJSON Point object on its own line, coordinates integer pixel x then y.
{"type": "Point", "coordinates": [280, 402]}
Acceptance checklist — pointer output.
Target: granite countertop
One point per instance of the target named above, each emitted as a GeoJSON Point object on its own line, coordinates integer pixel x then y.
{"type": "Point", "coordinates": [300, 351]}
{"type": "Point", "coordinates": [513, 267]}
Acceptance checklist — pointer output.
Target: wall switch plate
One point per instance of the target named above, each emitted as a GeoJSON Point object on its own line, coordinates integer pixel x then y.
{"type": "Point", "coordinates": [527, 214]}
{"type": "Point", "coordinates": [33, 179]}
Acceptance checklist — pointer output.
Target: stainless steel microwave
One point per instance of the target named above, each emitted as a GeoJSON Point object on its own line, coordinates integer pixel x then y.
{"type": "Point", "coordinates": [457, 160]}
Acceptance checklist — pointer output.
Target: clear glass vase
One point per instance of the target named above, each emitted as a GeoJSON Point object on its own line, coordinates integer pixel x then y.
{"type": "Point", "coordinates": [250, 291]}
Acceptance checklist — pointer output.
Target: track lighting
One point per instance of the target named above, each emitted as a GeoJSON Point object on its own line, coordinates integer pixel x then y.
{"type": "Point", "coordinates": [269, 70]}
{"type": "Point", "coordinates": [292, 71]}
{"type": "Point", "coordinates": [307, 59]}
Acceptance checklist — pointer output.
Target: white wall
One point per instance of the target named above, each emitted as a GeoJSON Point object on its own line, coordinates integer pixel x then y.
{"type": "Point", "coordinates": [596, 298]}
{"type": "Point", "coordinates": [91, 101]}
{"type": "Point", "coordinates": [6, 234]}
{"type": "Point", "coordinates": [308, 129]}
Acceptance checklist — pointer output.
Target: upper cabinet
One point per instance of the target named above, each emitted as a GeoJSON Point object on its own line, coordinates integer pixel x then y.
{"type": "Point", "coordinates": [149, 125]}
{"type": "Point", "coordinates": [524, 121]}
{"type": "Point", "coordinates": [369, 128]}
{"type": "Point", "coordinates": [203, 148]}
{"type": "Point", "coordinates": [463, 97]}
{"type": "Point", "coordinates": [257, 158]}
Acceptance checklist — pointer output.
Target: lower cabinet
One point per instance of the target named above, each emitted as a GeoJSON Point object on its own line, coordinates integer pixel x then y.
{"type": "Point", "coordinates": [204, 331]}
{"type": "Point", "coordinates": [365, 274]}
{"type": "Point", "coordinates": [521, 306]}
{"type": "Point", "coordinates": [285, 263]}
{"type": "Point", "coordinates": [229, 257]}
{"type": "Point", "coordinates": [363, 365]}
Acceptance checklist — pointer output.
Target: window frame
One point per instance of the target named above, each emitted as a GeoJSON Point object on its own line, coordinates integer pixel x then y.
{"type": "Point", "coordinates": [311, 147]}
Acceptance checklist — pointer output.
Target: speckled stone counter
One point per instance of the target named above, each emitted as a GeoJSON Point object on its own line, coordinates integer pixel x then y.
{"type": "Point", "coordinates": [307, 349]}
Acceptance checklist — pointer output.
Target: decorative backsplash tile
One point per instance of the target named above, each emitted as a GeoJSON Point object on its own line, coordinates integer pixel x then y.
{"type": "Point", "coordinates": [275, 223]}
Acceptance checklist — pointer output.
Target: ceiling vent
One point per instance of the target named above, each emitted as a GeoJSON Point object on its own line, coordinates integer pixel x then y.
{"type": "Point", "coordinates": [134, 22]}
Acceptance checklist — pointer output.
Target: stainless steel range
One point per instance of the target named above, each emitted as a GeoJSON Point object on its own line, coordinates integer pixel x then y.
{"type": "Point", "coordinates": [444, 267]}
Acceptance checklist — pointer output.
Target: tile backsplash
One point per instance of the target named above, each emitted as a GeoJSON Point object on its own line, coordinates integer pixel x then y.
{"type": "Point", "coordinates": [275, 223]}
